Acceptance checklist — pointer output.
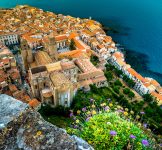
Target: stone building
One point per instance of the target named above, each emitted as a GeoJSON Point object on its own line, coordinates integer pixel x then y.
{"type": "Point", "coordinates": [26, 54]}
{"type": "Point", "coordinates": [51, 85]}
{"type": "Point", "coordinates": [56, 83]}
{"type": "Point", "coordinates": [50, 47]}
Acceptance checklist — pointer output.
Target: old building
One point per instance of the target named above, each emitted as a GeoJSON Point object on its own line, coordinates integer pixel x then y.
{"type": "Point", "coordinates": [50, 46]}
{"type": "Point", "coordinates": [51, 85]}
{"type": "Point", "coordinates": [9, 38]}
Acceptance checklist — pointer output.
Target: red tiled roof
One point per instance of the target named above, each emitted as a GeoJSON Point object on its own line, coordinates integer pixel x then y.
{"type": "Point", "coordinates": [34, 103]}
{"type": "Point", "coordinates": [61, 37]}
{"type": "Point", "coordinates": [158, 96]}
{"type": "Point", "coordinates": [135, 74]}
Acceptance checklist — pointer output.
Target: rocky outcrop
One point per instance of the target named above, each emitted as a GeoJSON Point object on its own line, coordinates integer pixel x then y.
{"type": "Point", "coordinates": [23, 128]}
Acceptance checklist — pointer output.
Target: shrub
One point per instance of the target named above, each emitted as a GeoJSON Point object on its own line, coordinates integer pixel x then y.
{"type": "Point", "coordinates": [126, 91]}
{"type": "Point", "coordinates": [109, 75]}
{"type": "Point", "coordinates": [118, 83]}
{"type": "Point", "coordinates": [116, 89]}
{"type": "Point", "coordinates": [131, 94]}
{"type": "Point", "coordinates": [72, 45]}
{"type": "Point", "coordinates": [118, 72]}
{"type": "Point", "coordinates": [94, 60]}
{"type": "Point", "coordinates": [106, 127]}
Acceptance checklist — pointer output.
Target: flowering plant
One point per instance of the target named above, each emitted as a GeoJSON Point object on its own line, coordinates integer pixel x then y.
{"type": "Point", "coordinates": [106, 126]}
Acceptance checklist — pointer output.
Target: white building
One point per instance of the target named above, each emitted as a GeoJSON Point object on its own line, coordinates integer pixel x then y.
{"type": "Point", "coordinates": [8, 39]}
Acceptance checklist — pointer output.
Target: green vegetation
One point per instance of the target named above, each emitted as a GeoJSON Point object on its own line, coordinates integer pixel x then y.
{"type": "Point", "coordinates": [94, 60]}
{"type": "Point", "coordinates": [129, 82]}
{"type": "Point", "coordinates": [116, 93]}
{"type": "Point", "coordinates": [108, 75]}
{"type": "Point", "coordinates": [60, 121]}
{"type": "Point", "coordinates": [119, 73]}
{"type": "Point", "coordinates": [151, 109]}
{"type": "Point", "coordinates": [110, 127]}
{"type": "Point", "coordinates": [72, 45]}
{"type": "Point", "coordinates": [58, 116]}
{"type": "Point", "coordinates": [128, 92]}
{"type": "Point", "coordinates": [117, 83]}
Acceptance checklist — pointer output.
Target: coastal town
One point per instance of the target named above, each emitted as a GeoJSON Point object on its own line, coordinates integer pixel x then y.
{"type": "Point", "coordinates": [60, 71]}
{"type": "Point", "coordinates": [46, 70]}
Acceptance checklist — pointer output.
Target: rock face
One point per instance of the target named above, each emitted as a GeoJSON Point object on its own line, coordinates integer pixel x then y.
{"type": "Point", "coordinates": [23, 128]}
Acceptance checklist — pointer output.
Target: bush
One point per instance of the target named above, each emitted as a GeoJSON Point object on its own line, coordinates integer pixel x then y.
{"type": "Point", "coordinates": [118, 83]}
{"type": "Point", "coordinates": [116, 89]}
{"type": "Point", "coordinates": [72, 45]}
{"type": "Point", "coordinates": [131, 94]}
{"type": "Point", "coordinates": [147, 98]}
{"type": "Point", "coordinates": [126, 91]}
{"type": "Point", "coordinates": [109, 75]}
{"type": "Point", "coordinates": [94, 60]}
{"type": "Point", "coordinates": [106, 129]}
{"type": "Point", "coordinates": [118, 72]}
{"type": "Point", "coordinates": [129, 81]}
{"type": "Point", "coordinates": [109, 67]}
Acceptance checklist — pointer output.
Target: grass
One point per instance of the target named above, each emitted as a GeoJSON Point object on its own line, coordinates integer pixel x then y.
{"type": "Point", "coordinates": [59, 121]}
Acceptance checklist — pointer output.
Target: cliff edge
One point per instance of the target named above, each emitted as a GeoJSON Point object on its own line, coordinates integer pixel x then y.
{"type": "Point", "coordinates": [23, 128]}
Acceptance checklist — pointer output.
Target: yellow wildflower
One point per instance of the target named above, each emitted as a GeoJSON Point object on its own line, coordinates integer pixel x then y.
{"type": "Point", "coordinates": [110, 104]}
{"type": "Point", "coordinates": [126, 113]}
{"type": "Point", "coordinates": [149, 130]}
{"type": "Point", "coordinates": [77, 121]}
{"type": "Point", "coordinates": [88, 112]}
{"type": "Point", "coordinates": [139, 124]}
{"type": "Point", "coordinates": [93, 112]}
{"type": "Point", "coordinates": [78, 111]}
{"type": "Point", "coordinates": [104, 104]}
{"type": "Point", "coordinates": [93, 106]}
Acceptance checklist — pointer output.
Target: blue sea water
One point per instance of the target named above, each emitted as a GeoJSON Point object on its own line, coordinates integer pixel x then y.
{"type": "Point", "coordinates": [139, 23]}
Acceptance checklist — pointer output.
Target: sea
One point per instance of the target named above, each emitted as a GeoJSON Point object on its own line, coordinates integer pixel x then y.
{"type": "Point", "coordinates": [135, 24]}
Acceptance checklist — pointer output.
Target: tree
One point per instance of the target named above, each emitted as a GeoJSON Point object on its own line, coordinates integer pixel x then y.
{"type": "Point", "coordinates": [109, 75]}
{"type": "Point", "coordinates": [118, 83]}
{"type": "Point", "coordinates": [72, 45]}
{"type": "Point", "coordinates": [109, 67]}
{"type": "Point", "coordinates": [94, 89]}
{"type": "Point", "coordinates": [94, 60]}
{"type": "Point", "coordinates": [118, 72]}
{"type": "Point", "coordinates": [131, 83]}
{"type": "Point", "coordinates": [116, 89]}
{"type": "Point", "coordinates": [131, 94]}
{"type": "Point", "coordinates": [126, 91]}
{"type": "Point", "coordinates": [147, 98]}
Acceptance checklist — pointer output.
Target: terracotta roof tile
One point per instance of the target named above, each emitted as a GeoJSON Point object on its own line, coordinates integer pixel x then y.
{"type": "Point", "coordinates": [34, 103]}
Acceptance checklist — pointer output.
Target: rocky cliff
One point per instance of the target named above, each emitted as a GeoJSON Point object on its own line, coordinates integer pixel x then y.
{"type": "Point", "coordinates": [23, 128]}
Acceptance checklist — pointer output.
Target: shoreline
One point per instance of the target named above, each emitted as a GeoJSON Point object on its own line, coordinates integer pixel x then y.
{"type": "Point", "coordinates": [131, 56]}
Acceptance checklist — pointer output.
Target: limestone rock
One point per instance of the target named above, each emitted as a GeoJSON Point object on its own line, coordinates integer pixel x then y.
{"type": "Point", "coordinates": [23, 128]}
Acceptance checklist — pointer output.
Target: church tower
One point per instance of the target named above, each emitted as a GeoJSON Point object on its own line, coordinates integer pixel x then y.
{"type": "Point", "coordinates": [52, 47]}
{"type": "Point", "coordinates": [26, 54]}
